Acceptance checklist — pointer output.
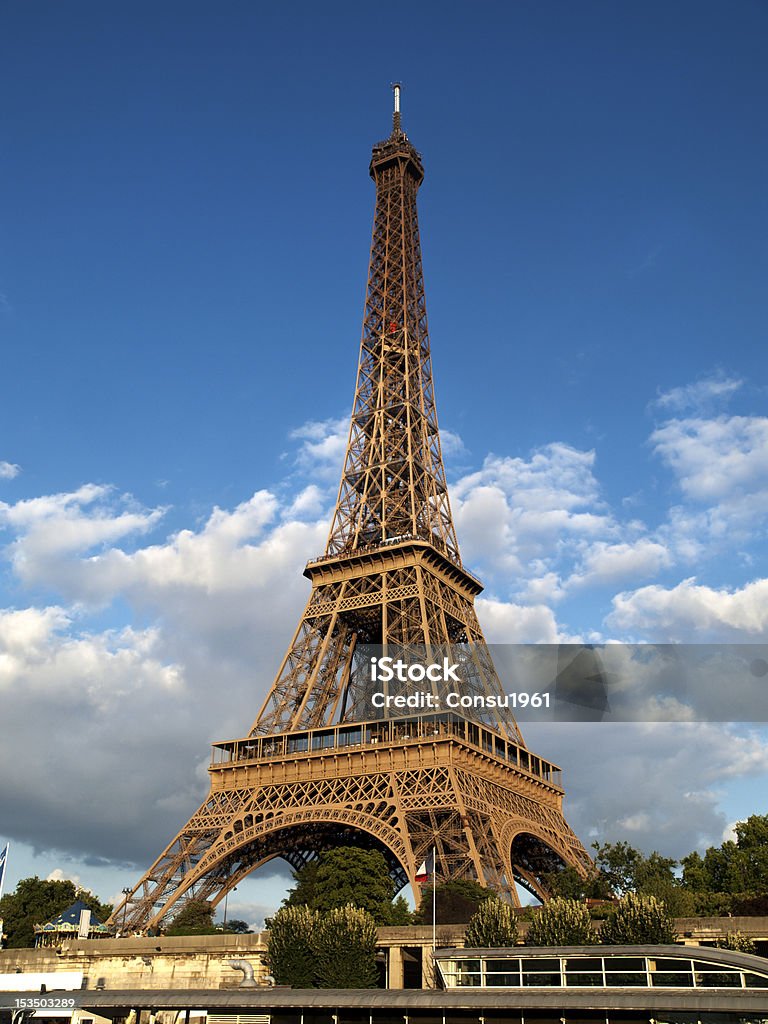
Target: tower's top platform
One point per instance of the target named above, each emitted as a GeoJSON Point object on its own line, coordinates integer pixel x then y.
{"type": "Point", "coordinates": [397, 146]}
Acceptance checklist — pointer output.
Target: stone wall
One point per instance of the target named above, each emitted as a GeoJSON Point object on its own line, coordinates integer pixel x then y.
{"type": "Point", "coordinates": [189, 961]}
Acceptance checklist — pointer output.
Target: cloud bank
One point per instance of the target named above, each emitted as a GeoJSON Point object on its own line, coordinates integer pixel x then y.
{"type": "Point", "coordinates": [126, 650]}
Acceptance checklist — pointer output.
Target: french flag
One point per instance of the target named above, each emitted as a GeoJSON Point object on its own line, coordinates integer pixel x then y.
{"type": "Point", "coordinates": [427, 868]}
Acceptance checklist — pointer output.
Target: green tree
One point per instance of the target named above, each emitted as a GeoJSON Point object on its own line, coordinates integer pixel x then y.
{"type": "Point", "coordinates": [750, 904]}
{"type": "Point", "coordinates": [493, 924]}
{"type": "Point", "coordinates": [733, 876]}
{"type": "Point", "coordinates": [291, 955]}
{"type": "Point", "coordinates": [303, 892]}
{"type": "Point", "coordinates": [360, 878]}
{"type": "Point", "coordinates": [696, 876]}
{"type": "Point", "coordinates": [617, 864]}
{"type": "Point", "coordinates": [401, 913]}
{"type": "Point", "coordinates": [570, 884]}
{"type": "Point", "coordinates": [455, 901]}
{"type": "Point", "coordinates": [345, 949]}
{"type": "Point", "coordinates": [749, 869]}
{"type": "Point", "coordinates": [654, 871]}
{"type": "Point", "coordinates": [37, 901]}
{"type": "Point", "coordinates": [622, 869]}
{"type": "Point", "coordinates": [560, 922]}
{"type": "Point", "coordinates": [194, 918]}
{"type": "Point", "coordinates": [348, 875]}
{"type": "Point", "coordinates": [237, 927]}
{"type": "Point", "coordinates": [712, 904]}
{"type": "Point", "coordinates": [638, 920]}
{"type": "Point", "coordinates": [655, 876]}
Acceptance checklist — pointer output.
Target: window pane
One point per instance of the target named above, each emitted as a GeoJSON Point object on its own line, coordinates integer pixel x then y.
{"type": "Point", "coordinates": [718, 979]}
{"type": "Point", "coordinates": [588, 980]}
{"type": "Point", "coordinates": [542, 964]}
{"type": "Point", "coordinates": [629, 979]}
{"type": "Point", "coordinates": [468, 979]}
{"type": "Point", "coordinates": [507, 964]}
{"type": "Point", "coordinates": [669, 979]}
{"type": "Point", "coordinates": [755, 980]}
{"type": "Point", "coordinates": [542, 980]}
{"type": "Point", "coordinates": [584, 963]}
{"type": "Point", "coordinates": [668, 963]}
{"type": "Point", "coordinates": [625, 963]}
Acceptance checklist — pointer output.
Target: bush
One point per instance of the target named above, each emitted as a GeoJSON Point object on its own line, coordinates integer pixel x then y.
{"type": "Point", "coordinates": [291, 946]}
{"type": "Point", "coordinates": [561, 922]}
{"type": "Point", "coordinates": [638, 920]}
{"type": "Point", "coordinates": [345, 949]}
{"type": "Point", "coordinates": [493, 924]}
{"type": "Point", "coordinates": [739, 942]}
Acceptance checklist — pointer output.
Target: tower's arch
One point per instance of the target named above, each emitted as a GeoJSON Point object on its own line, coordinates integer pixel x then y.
{"type": "Point", "coordinates": [250, 844]}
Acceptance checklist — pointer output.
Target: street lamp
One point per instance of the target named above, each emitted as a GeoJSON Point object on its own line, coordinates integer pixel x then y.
{"type": "Point", "coordinates": [126, 894]}
{"type": "Point", "coordinates": [226, 897]}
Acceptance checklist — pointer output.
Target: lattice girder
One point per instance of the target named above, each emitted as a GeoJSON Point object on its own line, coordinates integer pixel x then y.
{"type": "Point", "coordinates": [405, 797]}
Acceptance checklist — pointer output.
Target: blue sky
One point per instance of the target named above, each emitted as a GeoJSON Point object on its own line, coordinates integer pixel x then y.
{"type": "Point", "coordinates": [185, 227]}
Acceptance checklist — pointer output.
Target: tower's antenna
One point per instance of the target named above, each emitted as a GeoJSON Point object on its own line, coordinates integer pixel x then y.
{"type": "Point", "coordinates": [396, 86]}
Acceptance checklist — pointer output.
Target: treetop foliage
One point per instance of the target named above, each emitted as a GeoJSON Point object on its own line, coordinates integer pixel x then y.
{"type": "Point", "coordinates": [638, 920]}
{"type": "Point", "coordinates": [345, 949]}
{"type": "Point", "coordinates": [731, 878]}
{"type": "Point", "coordinates": [194, 918]}
{"type": "Point", "coordinates": [345, 876]}
{"type": "Point", "coordinates": [455, 901]}
{"type": "Point", "coordinates": [560, 922]}
{"type": "Point", "coordinates": [493, 924]}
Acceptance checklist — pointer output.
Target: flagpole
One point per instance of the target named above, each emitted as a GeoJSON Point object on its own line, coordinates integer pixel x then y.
{"type": "Point", "coordinates": [3, 863]}
{"type": "Point", "coordinates": [434, 904]}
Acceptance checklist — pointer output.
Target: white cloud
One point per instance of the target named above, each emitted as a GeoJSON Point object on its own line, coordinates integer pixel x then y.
{"type": "Point", "coordinates": [545, 589]}
{"type": "Point", "coordinates": [323, 445]}
{"type": "Point", "coordinates": [604, 563]}
{"type": "Point", "coordinates": [648, 783]}
{"type": "Point", "coordinates": [451, 444]}
{"type": "Point", "coordinates": [98, 709]}
{"type": "Point", "coordinates": [141, 704]}
{"type": "Point", "coordinates": [699, 394]}
{"type": "Point", "coordinates": [59, 875]}
{"type": "Point", "coordinates": [9, 470]}
{"type": "Point", "coordinates": [310, 502]}
{"type": "Point", "coordinates": [231, 552]}
{"type": "Point", "coordinates": [693, 612]}
{"type": "Point", "coordinates": [716, 459]}
{"type": "Point", "coordinates": [522, 517]}
{"type": "Point", "coordinates": [54, 527]}
{"type": "Point", "coordinates": [219, 602]}
{"type": "Point", "coordinates": [556, 477]}
{"type": "Point", "coordinates": [509, 623]}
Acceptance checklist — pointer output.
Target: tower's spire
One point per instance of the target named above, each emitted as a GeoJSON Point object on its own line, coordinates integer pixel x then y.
{"type": "Point", "coordinates": [396, 129]}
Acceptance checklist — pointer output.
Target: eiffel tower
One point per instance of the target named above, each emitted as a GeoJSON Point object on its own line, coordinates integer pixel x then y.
{"type": "Point", "coordinates": [320, 766]}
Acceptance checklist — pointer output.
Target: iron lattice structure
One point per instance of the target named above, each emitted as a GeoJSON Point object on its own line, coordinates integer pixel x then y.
{"type": "Point", "coordinates": [316, 770]}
